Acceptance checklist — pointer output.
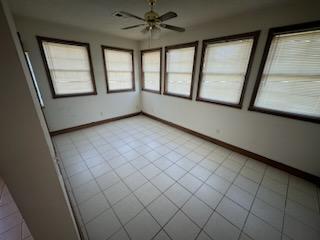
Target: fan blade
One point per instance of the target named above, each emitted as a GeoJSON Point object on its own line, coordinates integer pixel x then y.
{"type": "Point", "coordinates": [167, 16]}
{"type": "Point", "coordinates": [126, 14]}
{"type": "Point", "coordinates": [134, 26]}
{"type": "Point", "coordinates": [170, 27]}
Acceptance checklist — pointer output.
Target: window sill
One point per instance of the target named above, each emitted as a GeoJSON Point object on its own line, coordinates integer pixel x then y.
{"type": "Point", "coordinates": [227, 104]}
{"type": "Point", "coordinates": [178, 95]}
{"type": "Point", "coordinates": [73, 95]}
{"type": "Point", "coordinates": [121, 90]}
{"type": "Point", "coordinates": [151, 91]}
{"type": "Point", "coordinates": [295, 116]}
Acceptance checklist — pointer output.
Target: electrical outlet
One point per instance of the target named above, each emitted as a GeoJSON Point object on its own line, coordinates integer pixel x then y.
{"type": "Point", "coordinates": [218, 131]}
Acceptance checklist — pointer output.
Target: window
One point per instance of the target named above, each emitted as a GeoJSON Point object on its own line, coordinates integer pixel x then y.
{"type": "Point", "coordinates": [289, 79]}
{"type": "Point", "coordinates": [69, 68]}
{"type": "Point", "coordinates": [225, 66]}
{"type": "Point", "coordinates": [119, 69]}
{"type": "Point", "coordinates": [151, 70]}
{"type": "Point", "coordinates": [179, 69]}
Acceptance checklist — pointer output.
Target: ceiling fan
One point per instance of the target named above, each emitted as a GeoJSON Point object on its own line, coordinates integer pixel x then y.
{"type": "Point", "coordinates": [152, 21]}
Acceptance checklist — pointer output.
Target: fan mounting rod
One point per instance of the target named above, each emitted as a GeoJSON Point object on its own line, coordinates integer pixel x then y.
{"type": "Point", "coordinates": [151, 17]}
{"type": "Point", "coordinates": [152, 2]}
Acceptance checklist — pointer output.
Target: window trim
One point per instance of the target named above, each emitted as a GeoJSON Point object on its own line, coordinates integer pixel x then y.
{"type": "Point", "coordinates": [142, 75]}
{"type": "Point", "coordinates": [243, 36]}
{"type": "Point", "coordinates": [131, 51]}
{"type": "Point", "coordinates": [296, 28]}
{"type": "Point", "coordinates": [44, 59]}
{"type": "Point", "coordinates": [178, 46]}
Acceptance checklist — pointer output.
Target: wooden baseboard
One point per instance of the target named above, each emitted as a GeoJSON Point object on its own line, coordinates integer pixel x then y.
{"type": "Point", "coordinates": [273, 163]}
{"type": "Point", "coordinates": [92, 124]}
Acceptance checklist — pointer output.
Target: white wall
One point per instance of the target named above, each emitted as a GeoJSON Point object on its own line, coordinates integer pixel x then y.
{"type": "Point", "coordinates": [27, 157]}
{"type": "Point", "coordinates": [73, 111]}
{"type": "Point", "coordinates": [292, 142]}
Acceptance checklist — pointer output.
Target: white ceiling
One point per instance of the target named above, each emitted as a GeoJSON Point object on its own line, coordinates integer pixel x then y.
{"type": "Point", "coordinates": [97, 14]}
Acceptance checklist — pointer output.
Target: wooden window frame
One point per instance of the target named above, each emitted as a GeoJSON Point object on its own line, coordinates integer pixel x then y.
{"type": "Point", "coordinates": [205, 43]}
{"type": "Point", "coordinates": [44, 59]}
{"type": "Point", "coordinates": [179, 46]}
{"type": "Point", "coordinates": [296, 28]}
{"type": "Point", "coordinates": [142, 75]}
{"type": "Point", "coordinates": [131, 51]}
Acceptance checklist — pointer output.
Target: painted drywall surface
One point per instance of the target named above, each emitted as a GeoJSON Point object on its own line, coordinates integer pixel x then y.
{"type": "Point", "coordinates": [26, 162]}
{"type": "Point", "coordinates": [292, 142]}
{"type": "Point", "coordinates": [73, 111]}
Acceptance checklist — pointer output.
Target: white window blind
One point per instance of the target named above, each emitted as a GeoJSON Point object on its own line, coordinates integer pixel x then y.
{"type": "Point", "coordinates": [224, 69]}
{"type": "Point", "coordinates": [151, 70]}
{"type": "Point", "coordinates": [291, 77]}
{"type": "Point", "coordinates": [69, 68]}
{"type": "Point", "coordinates": [119, 69]}
{"type": "Point", "coordinates": [179, 70]}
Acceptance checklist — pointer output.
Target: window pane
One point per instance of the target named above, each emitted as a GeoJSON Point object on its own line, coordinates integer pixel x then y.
{"type": "Point", "coordinates": [119, 69]}
{"type": "Point", "coordinates": [151, 81]}
{"type": "Point", "coordinates": [119, 80]}
{"type": "Point", "coordinates": [179, 83]}
{"type": "Point", "coordinates": [151, 70]}
{"type": "Point", "coordinates": [291, 76]}
{"type": "Point", "coordinates": [224, 88]}
{"type": "Point", "coordinates": [69, 68]}
{"type": "Point", "coordinates": [179, 70]}
{"type": "Point", "coordinates": [224, 70]}
{"type": "Point", "coordinates": [72, 81]}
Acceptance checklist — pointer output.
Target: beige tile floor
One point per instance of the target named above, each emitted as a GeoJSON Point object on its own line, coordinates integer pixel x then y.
{"type": "Point", "coordinates": [140, 179]}
{"type": "Point", "coordinates": [12, 225]}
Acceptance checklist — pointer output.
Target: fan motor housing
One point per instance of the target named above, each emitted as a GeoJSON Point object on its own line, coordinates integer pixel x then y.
{"type": "Point", "coordinates": [151, 16]}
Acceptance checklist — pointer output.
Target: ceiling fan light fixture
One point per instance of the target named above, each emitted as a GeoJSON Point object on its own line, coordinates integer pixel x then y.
{"type": "Point", "coordinates": [155, 32]}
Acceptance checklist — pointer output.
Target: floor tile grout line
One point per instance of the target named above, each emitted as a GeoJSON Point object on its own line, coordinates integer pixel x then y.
{"type": "Point", "coordinates": [303, 223]}
{"type": "Point", "coordinates": [285, 206]}
{"type": "Point", "coordinates": [186, 173]}
{"type": "Point", "coordinates": [2, 218]}
{"type": "Point", "coordinates": [179, 208]}
{"type": "Point", "coordinates": [9, 229]}
{"type": "Point", "coordinates": [112, 209]}
{"type": "Point", "coordinates": [266, 222]}
{"type": "Point", "coordinates": [194, 150]}
{"type": "Point", "coordinates": [76, 203]}
{"type": "Point", "coordinates": [21, 233]}
{"type": "Point", "coordinates": [145, 207]}
{"type": "Point", "coordinates": [223, 196]}
{"type": "Point", "coordinates": [257, 191]}
{"type": "Point", "coordinates": [192, 194]}
{"type": "Point", "coordinates": [106, 161]}
{"type": "Point", "coordinates": [258, 185]}
{"type": "Point", "coordinates": [213, 210]}
{"type": "Point", "coordinates": [249, 212]}
{"type": "Point", "coordinates": [267, 203]}
{"type": "Point", "coordinates": [139, 169]}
